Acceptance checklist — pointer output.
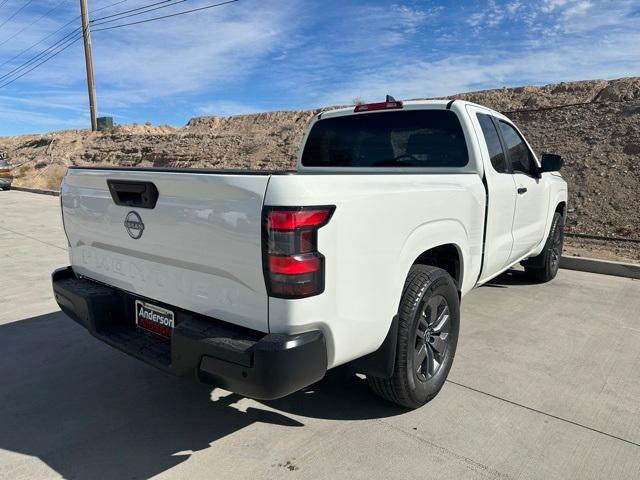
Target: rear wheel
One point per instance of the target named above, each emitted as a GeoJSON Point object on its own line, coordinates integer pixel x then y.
{"type": "Point", "coordinates": [544, 267]}
{"type": "Point", "coordinates": [428, 326]}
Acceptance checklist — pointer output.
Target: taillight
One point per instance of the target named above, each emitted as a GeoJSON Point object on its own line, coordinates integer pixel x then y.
{"type": "Point", "coordinates": [293, 267]}
{"type": "Point", "coordinates": [368, 107]}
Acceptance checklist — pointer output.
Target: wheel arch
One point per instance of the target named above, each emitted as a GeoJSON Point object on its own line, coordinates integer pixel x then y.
{"type": "Point", "coordinates": [447, 256]}
{"type": "Point", "coordinates": [443, 243]}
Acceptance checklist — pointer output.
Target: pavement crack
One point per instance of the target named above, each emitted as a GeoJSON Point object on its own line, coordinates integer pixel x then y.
{"type": "Point", "coordinates": [550, 415]}
{"type": "Point", "coordinates": [471, 464]}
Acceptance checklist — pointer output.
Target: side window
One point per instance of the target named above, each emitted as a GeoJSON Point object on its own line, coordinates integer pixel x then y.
{"type": "Point", "coordinates": [521, 161]}
{"type": "Point", "coordinates": [496, 153]}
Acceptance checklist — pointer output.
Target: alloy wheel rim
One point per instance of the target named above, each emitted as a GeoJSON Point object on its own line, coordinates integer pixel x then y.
{"type": "Point", "coordinates": [432, 337]}
{"type": "Point", "coordinates": [556, 249]}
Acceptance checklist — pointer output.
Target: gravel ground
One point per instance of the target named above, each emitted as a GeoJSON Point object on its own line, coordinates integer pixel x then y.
{"type": "Point", "coordinates": [603, 249]}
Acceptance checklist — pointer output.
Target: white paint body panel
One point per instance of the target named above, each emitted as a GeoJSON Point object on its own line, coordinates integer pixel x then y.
{"type": "Point", "coordinates": [381, 224]}
{"type": "Point", "coordinates": [201, 248]}
{"type": "Point", "coordinates": [502, 203]}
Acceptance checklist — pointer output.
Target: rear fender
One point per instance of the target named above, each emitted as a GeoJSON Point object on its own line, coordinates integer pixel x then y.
{"type": "Point", "coordinates": [434, 234]}
{"type": "Point", "coordinates": [425, 237]}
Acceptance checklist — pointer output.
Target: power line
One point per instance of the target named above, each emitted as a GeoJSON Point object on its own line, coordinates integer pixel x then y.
{"type": "Point", "coordinates": [44, 53]}
{"type": "Point", "coordinates": [165, 16]}
{"type": "Point", "coordinates": [35, 58]}
{"type": "Point", "coordinates": [16, 13]}
{"type": "Point", "coordinates": [3, 3]}
{"type": "Point", "coordinates": [38, 42]}
{"type": "Point", "coordinates": [147, 9]}
{"type": "Point", "coordinates": [73, 41]}
{"type": "Point", "coordinates": [32, 23]}
{"type": "Point", "coordinates": [107, 6]}
{"type": "Point", "coordinates": [73, 20]}
{"type": "Point", "coordinates": [135, 10]}
{"type": "Point", "coordinates": [74, 36]}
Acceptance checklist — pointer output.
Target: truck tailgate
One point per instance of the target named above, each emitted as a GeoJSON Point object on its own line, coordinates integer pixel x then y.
{"type": "Point", "coordinates": [199, 247]}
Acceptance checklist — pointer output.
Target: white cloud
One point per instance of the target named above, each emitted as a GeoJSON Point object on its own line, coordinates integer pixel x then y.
{"type": "Point", "coordinates": [550, 5]}
{"type": "Point", "coordinates": [411, 18]}
{"type": "Point", "coordinates": [568, 8]}
{"type": "Point", "coordinates": [614, 57]}
{"type": "Point", "coordinates": [227, 107]}
{"type": "Point", "coordinates": [513, 7]}
{"type": "Point", "coordinates": [199, 52]}
{"type": "Point", "coordinates": [490, 16]}
{"type": "Point", "coordinates": [577, 8]}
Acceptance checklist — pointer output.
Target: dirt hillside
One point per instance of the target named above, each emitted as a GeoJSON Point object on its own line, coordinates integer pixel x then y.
{"type": "Point", "coordinates": [594, 125]}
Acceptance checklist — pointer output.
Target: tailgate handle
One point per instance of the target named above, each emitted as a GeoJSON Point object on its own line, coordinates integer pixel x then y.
{"type": "Point", "coordinates": [133, 194]}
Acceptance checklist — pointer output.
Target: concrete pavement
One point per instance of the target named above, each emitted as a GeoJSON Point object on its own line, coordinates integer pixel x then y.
{"type": "Point", "coordinates": [544, 385]}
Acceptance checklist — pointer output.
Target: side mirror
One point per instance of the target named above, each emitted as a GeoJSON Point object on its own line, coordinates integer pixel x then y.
{"type": "Point", "coordinates": [551, 162]}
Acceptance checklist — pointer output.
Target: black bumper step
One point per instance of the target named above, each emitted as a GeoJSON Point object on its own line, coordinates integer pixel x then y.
{"type": "Point", "coordinates": [244, 361]}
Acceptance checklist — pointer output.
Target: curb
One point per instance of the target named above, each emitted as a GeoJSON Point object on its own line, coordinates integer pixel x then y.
{"type": "Point", "coordinates": [603, 267]}
{"type": "Point", "coordinates": [41, 191]}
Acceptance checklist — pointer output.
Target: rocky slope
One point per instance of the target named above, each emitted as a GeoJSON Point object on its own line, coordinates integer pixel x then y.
{"type": "Point", "coordinates": [594, 124]}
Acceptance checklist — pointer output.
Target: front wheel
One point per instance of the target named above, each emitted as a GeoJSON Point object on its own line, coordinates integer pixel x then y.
{"type": "Point", "coordinates": [428, 326]}
{"type": "Point", "coordinates": [544, 267]}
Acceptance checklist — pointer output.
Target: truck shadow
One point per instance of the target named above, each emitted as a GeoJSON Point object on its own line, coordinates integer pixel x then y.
{"type": "Point", "coordinates": [89, 411]}
{"type": "Point", "coordinates": [510, 278]}
{"type": "Point", "coordinates": [339, 396]}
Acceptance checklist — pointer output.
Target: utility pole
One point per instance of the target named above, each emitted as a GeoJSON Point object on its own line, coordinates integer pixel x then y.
{"type": "Point", "coordinates": [86, 36]}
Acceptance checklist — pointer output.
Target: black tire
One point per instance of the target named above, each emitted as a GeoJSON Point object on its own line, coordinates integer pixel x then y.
{"type": "Point", "coordinates": [544, 267]}
{"type": "Point", "coordinates": [429, 292]}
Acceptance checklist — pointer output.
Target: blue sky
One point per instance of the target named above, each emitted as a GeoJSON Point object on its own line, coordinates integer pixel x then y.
{"type": "Point", "coordinates": [265, 55]}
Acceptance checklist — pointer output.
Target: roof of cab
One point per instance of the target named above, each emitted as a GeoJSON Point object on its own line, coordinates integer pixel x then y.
{"type": "Point", "coordinates": [440, 103]}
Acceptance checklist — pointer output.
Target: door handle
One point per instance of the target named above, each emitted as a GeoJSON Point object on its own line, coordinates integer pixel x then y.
{"type": "Point", "coordinates": [522, 190]}
{"type": "Point", "coordinates": [133, 194]}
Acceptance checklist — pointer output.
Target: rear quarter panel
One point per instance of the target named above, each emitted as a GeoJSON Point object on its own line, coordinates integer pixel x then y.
{"type": "Point", "coordinates": [381, 224]}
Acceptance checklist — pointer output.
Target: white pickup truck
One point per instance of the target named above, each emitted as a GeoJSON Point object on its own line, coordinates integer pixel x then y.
{"type": "Point", "coordinates": [259, 282]}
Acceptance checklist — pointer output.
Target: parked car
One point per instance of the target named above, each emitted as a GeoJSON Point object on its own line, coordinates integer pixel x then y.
{"type": "Point", "coordinates": [259, 282]}
{"type": "Point", "coordinates": [5, 173]}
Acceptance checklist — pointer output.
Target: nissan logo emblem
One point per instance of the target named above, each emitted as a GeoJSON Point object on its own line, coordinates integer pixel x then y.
{"type": "Point", "coordinates": [133, 224]}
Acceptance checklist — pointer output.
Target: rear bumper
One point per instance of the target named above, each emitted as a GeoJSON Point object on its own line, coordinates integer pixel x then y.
{"type": "Point", "coordinates": [250, 363]}
{"type": "Point", "coordinates": [6, 181]}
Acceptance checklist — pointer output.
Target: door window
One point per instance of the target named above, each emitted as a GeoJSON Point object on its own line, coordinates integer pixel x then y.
{"type": "Point", "coordinates": [519, 154]}
{"type": "Point", "coordinates": [496, 153]}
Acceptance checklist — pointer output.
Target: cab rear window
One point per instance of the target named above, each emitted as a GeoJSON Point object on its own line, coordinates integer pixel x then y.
{"type": "Point", "coordinates": [407, 138]}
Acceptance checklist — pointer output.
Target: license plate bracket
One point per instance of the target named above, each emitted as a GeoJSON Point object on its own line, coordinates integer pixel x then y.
{"type": "Point", "coordinates": [154, 319]}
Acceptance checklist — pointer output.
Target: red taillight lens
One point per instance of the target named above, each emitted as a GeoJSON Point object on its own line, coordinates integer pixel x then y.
{"type": "Point", "coordinates": [293, 266]}
{"type": "Point", "coordinates": [292, 219]}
